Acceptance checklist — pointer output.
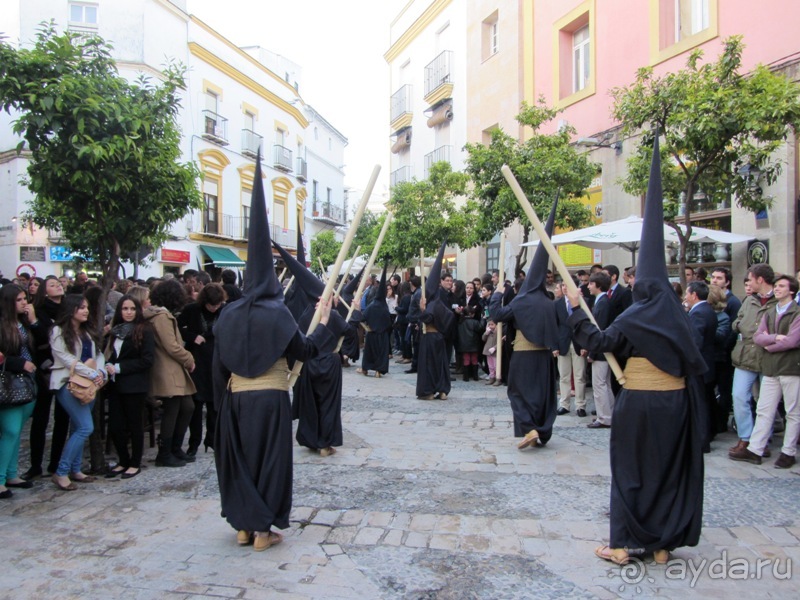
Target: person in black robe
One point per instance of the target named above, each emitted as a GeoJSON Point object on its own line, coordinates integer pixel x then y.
{"type": "Point", "coordinates": [532, 378]}
{"type": "Point", "coordinates": [437, 322]}
{"type": "Point", "coordinates": [253, 446]}
{"type": "Point", "coordinates": [317, 393]}
{"type": "Point", "coordinates": [377, 323]}
{"type": "Point", "coordinates": [656, 437]}
{"type": "Point", "coordinates": [350, 350]}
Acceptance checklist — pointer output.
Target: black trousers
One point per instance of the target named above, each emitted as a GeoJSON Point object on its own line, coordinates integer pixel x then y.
{"type": "Point", "coordinates": [40, 421]}
{"type": "Point", "coordinates": [178, 411]}
{"type": "Point", "coordinates": [125, 420]}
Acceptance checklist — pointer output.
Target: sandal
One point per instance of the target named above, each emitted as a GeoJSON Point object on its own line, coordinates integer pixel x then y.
{"type": "Point", "coordinates": [614, 555]}
{"type": "Point", "coordinates": [529, 439]}
{"type": "Point", "coordinates": [262, 541]}
{"type": "Point", "coordinates": [661, 557]}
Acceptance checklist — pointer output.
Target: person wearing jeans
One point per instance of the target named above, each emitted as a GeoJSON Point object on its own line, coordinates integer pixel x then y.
{"type": "Point", "coordinates": [746, 355]}
{"type": "Point", "coordinates": [74, 347]}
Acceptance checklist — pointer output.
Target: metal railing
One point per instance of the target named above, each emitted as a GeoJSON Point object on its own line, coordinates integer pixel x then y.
{"type": "Point", "coordinates": [223, 225]}
{"type": "Point", "coordinates": [215, 127]}
{"type": "Point", "coordinates": [285, 237]}
{"type": "Point", "coordinates": [282, 158]}
{"type": "Point", "coordinates": [438, 71]}
{"type": "Point", "coordinates": [401, 102]}
{"type": "Point", "coordinates": [442, 153]}
{"type": "Point", "coordinates": [251, 142]}
{"type": "Point", "coordinates": [400, 175]}
{"type": "Point", "coordinates": [302, 169]}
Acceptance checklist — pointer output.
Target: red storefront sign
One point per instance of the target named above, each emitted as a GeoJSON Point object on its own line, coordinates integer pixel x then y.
{"type": "Point", "coordinates": [175, 256]}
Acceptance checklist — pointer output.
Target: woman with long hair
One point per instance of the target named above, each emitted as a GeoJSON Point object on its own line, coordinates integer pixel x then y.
{"type": "Point", "coordinates": [33, 288]}
{"type": "Point", "coordinates": [129, 353]}
{"type": "Point", "coordinates": [170, 378]}
{"type": "Point", "coordinates": [47, 304]}
{"type": "Point", "coordinates": [75, 345]}
{"type": "Point", "coordinates": [196, 323]}
{"type": "Point", "coordinates": [18, 325]}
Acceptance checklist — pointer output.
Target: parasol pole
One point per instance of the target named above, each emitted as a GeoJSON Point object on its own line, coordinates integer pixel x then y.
{"type": "Point", "coordinates": [343, 251]}
{"type": "Point", "coordinates": [558, 262]}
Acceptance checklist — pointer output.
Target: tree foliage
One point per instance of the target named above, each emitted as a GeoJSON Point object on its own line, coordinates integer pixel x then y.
{"type": "Point", "coordinates": [544, 164]}
{"type": "Point", "coordinates": [104, 152]}
{"type": "Point", "coordinates": [326, 247]}
{"type": "Point", "coordinates": [367, 233]}
{"type": "Point", "coordinates": [425, 214]}
{"type": "Point", "coordinates": [718, 126]}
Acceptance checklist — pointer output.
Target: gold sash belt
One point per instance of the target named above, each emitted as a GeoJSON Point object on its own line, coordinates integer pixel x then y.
{"type": "Point", "coordinates": [428, 329]}
{"type": "Point", "coordinates": [521, 344]}
{"type": "Point", "coordinates": [641, 374]}
{"type": "Point", "coordinates": [274, 378]}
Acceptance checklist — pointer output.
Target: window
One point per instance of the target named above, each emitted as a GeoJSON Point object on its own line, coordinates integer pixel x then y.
{"type": "Point", "coordinates": [83, 14]}
{"type": "Point", "coordinates": [677, 26]}
{"type": "Point", "coordinates": [315, 192]}
{"type": "Point", "coordinates": [210, 206]}
{"type": "Point", "coordinates": [249, 121]}
{"type": "Point", "coordinates": [580, 58]}
{"type": "Point", "coordinates": [280, 136]}
{"type": "Point", "coordinates": [574, 48]}
{"type": "Point", "coordinates": [493, 256]}
{"type": "Point", "coordinates": [489, 36]}
{"type": "Point", "coordinates": [245, 216]}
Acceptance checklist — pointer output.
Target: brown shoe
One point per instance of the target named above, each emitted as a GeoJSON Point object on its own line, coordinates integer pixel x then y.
{"type": "Point", "coordinates": [784, 461]}
{"type": "Point", "coordinates": [746, 456]}
{"type": "Point", "coordinates": [766, 453]}
{"type": "Point", "coordinates": [426, 397]}
{"type": "Point", "coordinates": [740, 445]}
{"type": "Point", "coordinates": [497, 383]}
{"type": "Point", "coordinates": [491, 381]}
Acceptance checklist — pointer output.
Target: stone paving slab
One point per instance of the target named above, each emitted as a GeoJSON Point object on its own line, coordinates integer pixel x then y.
{"type": "Point", "coordinates": [424, 500]}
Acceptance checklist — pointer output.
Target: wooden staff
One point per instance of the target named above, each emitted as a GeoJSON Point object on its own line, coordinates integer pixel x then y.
{"type": "Point", "coordinates": [361, 284]}
{"type": "Point", "coordinates": [322, 270]}
{"type": "Point", "coordinates": [556, 258]}
{"type": "Point", "coordinates": [283, 274]}
{"type": "Point", "coordinates": [349, 268]}
{"type": "Point", "coordinates": [288, 285]}
{"type": "Point", "coordinates": [502, 268]}
{"type": "Point", "coordinates": [343, 251]}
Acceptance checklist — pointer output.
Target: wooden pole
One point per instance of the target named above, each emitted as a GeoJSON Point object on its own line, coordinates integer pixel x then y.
{"type": "Point", "coordinates": [556, 258]}
{"type": "Point", "coordinates": [283, 274]}
{"type": "Point", "coordinates": [288, 285]}
{"type": "Point", "coordinates": [502, 279]}
{"type": "Point", "coordinates": [343, 251]}
{"type": "Point", "coordinates": [322, 270]}
{"type": "Point", "coordinates": [362, 284]}
{"type": "Point", "coordinates": [349, 268]}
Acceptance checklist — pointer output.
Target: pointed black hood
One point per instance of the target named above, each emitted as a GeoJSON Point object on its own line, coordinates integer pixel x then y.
{"type": "Point", "coordinates": [305, 289]}
{"type": "Point", "coordinates": [252, 333]}
{"type": "Point", "coordinates": [656, 323]}
{"type": "Point", "coordinates": [433, 282]}
{"type": "Point", "coordinates": [534, 311]}
{"type": "Point", "coordinates": [301, 249]}
{"type": "Point", "coordinates": [350, 288]}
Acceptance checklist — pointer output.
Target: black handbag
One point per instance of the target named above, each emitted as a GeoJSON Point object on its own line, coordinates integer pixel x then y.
{"type": "Point", "coordinates": [16, 389]}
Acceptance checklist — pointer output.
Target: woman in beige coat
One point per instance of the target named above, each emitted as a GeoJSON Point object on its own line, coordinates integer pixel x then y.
{"type": "Point", "coordinates": [169, 377]}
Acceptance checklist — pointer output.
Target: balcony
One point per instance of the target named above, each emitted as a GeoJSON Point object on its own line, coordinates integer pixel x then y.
{"type": "Point", "coordinates": [329, 213]}
{"type": "Point", "coordinates": [401, 175]}
{"type": "Point", "coordinates": [401, 112]}
{"type": "Point", "coordinates": [215, 127]}
{"type": "Point", "coordinates": [442, 153]}
{"type": "Point", "coordinates": [285, 237]}
{"type": "Point", "coordinates": [302, 170]}
{"type": "Point", "coordinates": [251, 143]}
{"type": "Point", "coordinates": [282, 158]}
{"type": "Point", "coordinates": [438, 79]}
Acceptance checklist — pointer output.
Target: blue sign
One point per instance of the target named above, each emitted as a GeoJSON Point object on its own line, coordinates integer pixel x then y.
{"type": "Point", "coordinates": [61, 254]}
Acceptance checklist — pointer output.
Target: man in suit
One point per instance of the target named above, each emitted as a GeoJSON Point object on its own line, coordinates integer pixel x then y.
{"type": "Point", "coordinates": [620, 296]}
{"type": "Point", "coordinates": [571, 358]}
{"type": "Point", "coordinates": [722, 277]}
{"type": "Point", "coordinates": [599, 284]}
{"type": "Point", "coordinates": [703, 320]}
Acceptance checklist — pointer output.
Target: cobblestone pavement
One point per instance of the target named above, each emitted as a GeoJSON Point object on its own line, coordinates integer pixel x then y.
{"type": "Point", "coordinates": [424, 500]}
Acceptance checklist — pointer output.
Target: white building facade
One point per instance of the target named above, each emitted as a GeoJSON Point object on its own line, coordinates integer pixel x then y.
{"type": "Point", "coordinates": [237, 101]}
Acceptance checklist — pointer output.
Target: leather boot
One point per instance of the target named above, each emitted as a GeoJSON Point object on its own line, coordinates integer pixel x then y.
{"type": "Point", "coordinates": [740, 445]}
{"type": "Point", "coordinates": [491, 381]}
{"type": "Point", "coordinates": [165, 458]}
{"type": "Point", "coordinates": [475, 375]}
{"type": "Point", "coordinates": [466, 372]}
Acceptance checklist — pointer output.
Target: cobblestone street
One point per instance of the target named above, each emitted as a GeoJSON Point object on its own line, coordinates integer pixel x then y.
{"type": "Point", "coordinates": [424, 500]}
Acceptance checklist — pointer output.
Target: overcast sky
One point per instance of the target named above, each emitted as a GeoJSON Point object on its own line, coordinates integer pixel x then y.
{"type": "Point", "coordinates": [339, 44]}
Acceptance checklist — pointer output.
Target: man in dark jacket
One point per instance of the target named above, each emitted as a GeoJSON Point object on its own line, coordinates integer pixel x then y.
{"type": "Point", "coordinates": [601, 373]}
{"type": "Point", "coordinates": [704, 328]}
{"type": "Point", "coordinates": [571, 359]}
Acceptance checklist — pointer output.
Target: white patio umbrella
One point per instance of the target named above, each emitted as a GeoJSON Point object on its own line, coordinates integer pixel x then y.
{"type": "Point", "coordinates": [626, 233]}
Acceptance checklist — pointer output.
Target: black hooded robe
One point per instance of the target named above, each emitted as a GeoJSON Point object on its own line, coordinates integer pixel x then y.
{"type": "Point", "coordinates": [376, 343]}
{"type": "Point", "coordinates": [532, 383]}
{"type": "Point", "coordinates": [317, 394]}
{"type": "Point", "coordinates": [433, 368]}
{"type": "Point", "coordinates": [656, 491]}
{"type": "Point", "coordinates": [253, 449]}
